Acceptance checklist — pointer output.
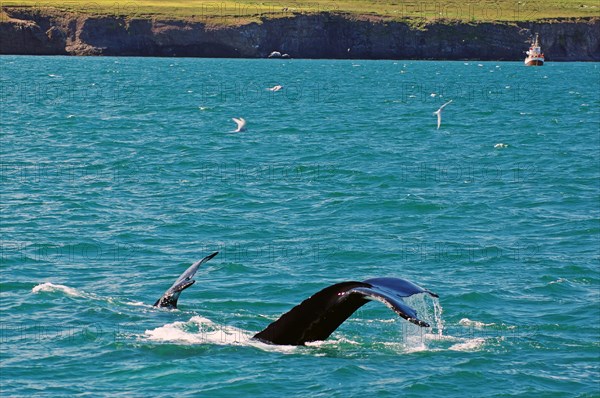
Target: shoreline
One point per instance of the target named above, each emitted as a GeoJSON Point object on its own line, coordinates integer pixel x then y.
{"type": "Point", "coordinates": [29, 31]}
{"type": "Point", "coordinates": [520, 61]}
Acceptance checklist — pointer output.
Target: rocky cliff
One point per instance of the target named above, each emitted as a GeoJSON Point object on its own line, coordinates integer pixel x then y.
{"type": "Point", "coordinates": [30, 31]}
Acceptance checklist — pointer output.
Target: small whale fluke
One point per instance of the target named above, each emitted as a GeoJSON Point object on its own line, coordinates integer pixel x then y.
{"type": "Point", "coordinates": [320, 315]}
{"type": "Point", "coordinates": [241, 124]}
{"type": "Point", "coordinates": [170, 297]}
{"type": "Point", "coordinates": [439, 114]}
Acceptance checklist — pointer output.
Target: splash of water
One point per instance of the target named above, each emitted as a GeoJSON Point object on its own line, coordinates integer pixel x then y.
{"type": "Point", "coordinates": [430, 310]}
{"type": "Point", "coordinates": [437, 314]}
{"type": "Point", "coordinates": [51, 287]}
{"type": "Point", "coordinates": [416, 338]}
{"type": "Point", "coordinates": [200, 330]}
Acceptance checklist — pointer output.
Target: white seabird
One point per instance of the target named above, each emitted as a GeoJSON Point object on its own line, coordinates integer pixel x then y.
{"type": "Point", "coordinates": [241, 124]}
{"type": "Point", "coordinates": [439, 113]}
{"type": "Point", "coordinates": [275, 88]}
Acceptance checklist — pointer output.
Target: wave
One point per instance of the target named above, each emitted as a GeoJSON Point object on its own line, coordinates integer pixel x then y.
{"type": "Point", "coordinates": [477, 324]}
{"type": "Point", "coordinates": [559, 280]}
{"type": "Point", "coordinates": [473, 344]}
{"type": "Point", "coordinates": [49, 287]}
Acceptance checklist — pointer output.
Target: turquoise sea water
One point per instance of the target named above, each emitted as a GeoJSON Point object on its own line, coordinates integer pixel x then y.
{"type": "Point", "coordinates": [118, 173]}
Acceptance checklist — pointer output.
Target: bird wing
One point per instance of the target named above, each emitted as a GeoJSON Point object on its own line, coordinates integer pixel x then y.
{"type": "Point", "coordinates": [241, 123]}
{"type": "Point", "coordinates": [442, 107]}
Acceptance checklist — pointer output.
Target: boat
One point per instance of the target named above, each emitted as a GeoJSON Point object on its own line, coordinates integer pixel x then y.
{"type": "Point", "coordinates": [535, 57]}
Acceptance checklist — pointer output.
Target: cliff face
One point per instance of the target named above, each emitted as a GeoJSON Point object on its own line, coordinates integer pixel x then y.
{"type": "Point", "coordinates": [28, 31]}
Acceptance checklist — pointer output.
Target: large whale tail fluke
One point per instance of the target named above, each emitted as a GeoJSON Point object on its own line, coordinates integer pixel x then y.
{"type": "Point", "coordinates": [170, 297]}
{"type": "Point", "coordinates": [320, 315]}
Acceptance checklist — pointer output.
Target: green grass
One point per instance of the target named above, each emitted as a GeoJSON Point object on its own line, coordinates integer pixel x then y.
{"type": "Point", "coordinates": [244, 11]}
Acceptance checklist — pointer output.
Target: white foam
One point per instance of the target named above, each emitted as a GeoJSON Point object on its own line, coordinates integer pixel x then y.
{"type": "Point", "coordinates": [415, 343]}
{"type": "Point", "coordinates": [477, 324]}
{"type": "Point", "coordinates": [416, 348]}
{"type": "Point", "coordinates": [200, 330]}
{"type": "Point", "coordinates": [468, 345]}
{"type": "Point", "coordinates": [51, 287]}
{"type": "Point", "coordinates": [417, 339]}
{"type": "Point", "coordinates": [330, 342]}
{"type": "Point", "coordinates": [391, 320]}
{"type": "Point", "coordinates": [559, 280]}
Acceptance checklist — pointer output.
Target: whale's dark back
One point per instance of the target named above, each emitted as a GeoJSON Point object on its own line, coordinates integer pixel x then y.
{"type": "Point", "coordinates": [316, 317]}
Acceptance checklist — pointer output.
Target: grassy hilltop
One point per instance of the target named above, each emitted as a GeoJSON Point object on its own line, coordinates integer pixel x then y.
{"type": "Point", "coordinates": [225, 12]}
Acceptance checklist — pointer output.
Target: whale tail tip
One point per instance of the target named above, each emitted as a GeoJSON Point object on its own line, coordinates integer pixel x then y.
{"type": "Point", "coordinates": [170, 297]}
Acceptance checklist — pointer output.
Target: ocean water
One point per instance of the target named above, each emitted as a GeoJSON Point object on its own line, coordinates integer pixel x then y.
{"type": "Point", "coordinates": [118, 173]}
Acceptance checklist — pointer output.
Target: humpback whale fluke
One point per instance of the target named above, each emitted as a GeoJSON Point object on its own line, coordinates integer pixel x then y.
{"type": "Point", "coordinates": [170, 297]}
{"type": "Point", "coordinates": [320, 315]}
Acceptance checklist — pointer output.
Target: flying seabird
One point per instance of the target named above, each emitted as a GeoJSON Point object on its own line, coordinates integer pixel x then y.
{"type": "Point", "coordinates": [241, 124]}
{"type": "Point", "coordinates": [439, 113]}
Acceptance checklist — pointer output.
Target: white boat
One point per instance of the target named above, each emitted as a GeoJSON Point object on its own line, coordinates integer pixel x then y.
{"type": "Point", "coordinates": [535, 57]}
